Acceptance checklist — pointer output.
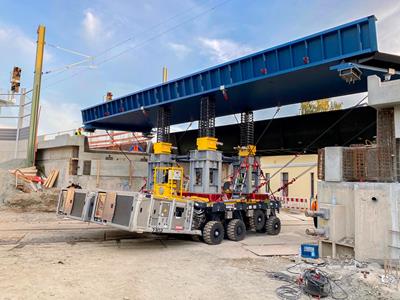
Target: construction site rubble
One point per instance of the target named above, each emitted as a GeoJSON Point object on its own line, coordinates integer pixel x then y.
{"type": "Point", "coordinates": [335, 279]}
{"type": "Point", "coordinates": [23, 189]}
{"type": "Point", "coordinates": [286, 187]}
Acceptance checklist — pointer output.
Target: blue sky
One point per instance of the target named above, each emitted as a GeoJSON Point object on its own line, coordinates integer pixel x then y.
{"type": "Point", "coordinates": [233, 29]}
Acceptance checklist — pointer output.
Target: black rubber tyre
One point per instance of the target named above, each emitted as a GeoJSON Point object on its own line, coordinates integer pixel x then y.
{"type": "Point", "coordinates": [236, 230]}
{"type": "Point", "coordinates": [273, 225]}
{"type": "Point", "coordinates": [257, 221]}
{"type": "Point", "coordinates": [213, 233]}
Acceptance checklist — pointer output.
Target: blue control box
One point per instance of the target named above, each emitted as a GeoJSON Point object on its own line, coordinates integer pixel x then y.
{"type": "Point", "coordinates": [309, 251]}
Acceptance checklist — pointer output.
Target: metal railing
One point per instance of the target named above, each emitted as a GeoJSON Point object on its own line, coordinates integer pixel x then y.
{"type": "Point", "coordinates": [18, 131]}
{"type": "Point", "coordinates": [111, 140]}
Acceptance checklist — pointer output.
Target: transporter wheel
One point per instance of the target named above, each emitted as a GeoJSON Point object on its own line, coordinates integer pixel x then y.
{"type": "Point", "coordinates": [213, 233]}
{"type": "Point", "coordinates": [273, 226]}
{"type": "Point", "coordinates": [236, 230]}
{"type": "Point", "coordinates": [257, 221]}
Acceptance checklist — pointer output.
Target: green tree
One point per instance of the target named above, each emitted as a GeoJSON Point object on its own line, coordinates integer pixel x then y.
{"type": "Point", "coordinates": [317, 106]}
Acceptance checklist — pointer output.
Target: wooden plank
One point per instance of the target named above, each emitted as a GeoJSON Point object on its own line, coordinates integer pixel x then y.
{"type": "Point", "coordinates": [53, 179]}
{"type": "Point", "coordinates": [98, 173]}
{"type": "Point", "coordinates": [109, 207]}
{"type": "Point", "coordinates": [26, 171]}
{"type": "Point", "coordinates": [69, 201]}
{"type": "Point", "coordinates": [101, 201]}
{"type": "Point", "coordinates": [48, 179]}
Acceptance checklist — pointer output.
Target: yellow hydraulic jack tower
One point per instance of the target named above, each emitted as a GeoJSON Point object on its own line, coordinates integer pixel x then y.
{"type": "Point", "coordinates": [246, 175]}
{"type": "Point", "coordinates": [206, 161]}
{"type": "Point", "coordinates": [163, 146]}
{"type": "Point", "coordinates": [162, 156]}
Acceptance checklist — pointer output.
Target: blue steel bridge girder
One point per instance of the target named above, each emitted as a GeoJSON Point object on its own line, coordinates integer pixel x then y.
{"type": "Point", "coordinates": [290, 73]}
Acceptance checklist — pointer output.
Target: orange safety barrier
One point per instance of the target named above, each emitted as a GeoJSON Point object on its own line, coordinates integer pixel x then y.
{"type": "Point", "coordinates": [117, 139]}
{"type": "Point", "coordinates": [293, 203]}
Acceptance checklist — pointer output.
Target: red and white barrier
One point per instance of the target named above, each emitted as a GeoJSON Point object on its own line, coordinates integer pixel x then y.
{"type": "Point", "coordinates": [293, 203]}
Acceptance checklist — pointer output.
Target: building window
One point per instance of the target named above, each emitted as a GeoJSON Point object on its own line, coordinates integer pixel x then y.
{"type": "Point", "coordinates": [268, 185]}
{"type": "Point", "coordinates": [312, 184]}
{"type": "Point", "coordinates": [285, 186]}
{"type": "Point", "coordinates": [87, 165]}
{"type": "Point", "coordinates": [73, 166]}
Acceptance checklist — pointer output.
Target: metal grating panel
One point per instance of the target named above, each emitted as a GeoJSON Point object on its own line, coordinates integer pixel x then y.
{"type": "Point", "coordinates": [372, 164]}
{"type": "Point", "coordinates": [79, 202]}
{"type": "Point", "coordinates": [10, 134]}
{"type": "Point", "coordinates": [386, 144]}
{"type": "Point", "coordinates": [123, 210]}
{"type": "Point", "coordinates": [354, 159]}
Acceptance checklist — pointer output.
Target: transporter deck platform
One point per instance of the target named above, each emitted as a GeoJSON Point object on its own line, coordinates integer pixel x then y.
{"type": "Point", "coordinates": [143, 212]}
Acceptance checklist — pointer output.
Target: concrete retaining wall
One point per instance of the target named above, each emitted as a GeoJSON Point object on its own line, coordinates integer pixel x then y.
{"type": "Point", "coordinates": [91, 169]}
{"type": "Point", "coordinates": [7, 150]}
{"type": "Point", "coordinates": [370, 213]}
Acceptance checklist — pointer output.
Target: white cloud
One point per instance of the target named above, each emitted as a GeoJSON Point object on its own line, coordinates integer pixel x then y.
{"type": "Point", "coordinates": [389, 30]}
{"type": "Point", "coordinates": [56, 117]}
{"type": "Point", "coordinates": [18, 49]}
{"type": "Point", "coordinates": [224, 49]}
{"type": "Point", "coordinates": [91, 24]}
{"type": "Point", "coordinates": [13, 37]}
{"type": "Point", "coordinates": [93, 27]}
{"type": "Point", "coordinates": [180, 50]}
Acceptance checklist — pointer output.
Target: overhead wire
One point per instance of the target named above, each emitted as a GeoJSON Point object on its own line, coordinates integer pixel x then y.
{"type": "Point", "coordinates": [119, 146]}
{"type": "Point", "coordinates": [183, 12]}
{"type": "Point", "coordinates": [320, 136]}
{"type": "Point", "coordinates": [66, 67]}
{"type": "Point", "coordinates": [296, 155]}
{"type": "Point", "coordinates": [184, 133]}
{"type": "Point", "coordinates": [144, 42]}
{"type": "Point", "coordinates": [268, 125]}
{"type": "Point", "coordinates": [68, 50]}
{"type": "Point", "coordinates": [92, 57]}
{"type": "Point", "coordinates": [361, 132]}
{"type": "Point", "coordinates": [165, 31]}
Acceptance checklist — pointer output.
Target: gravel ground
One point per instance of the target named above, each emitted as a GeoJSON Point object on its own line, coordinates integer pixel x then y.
{"type": "Point", "coordinates": [43, 257]}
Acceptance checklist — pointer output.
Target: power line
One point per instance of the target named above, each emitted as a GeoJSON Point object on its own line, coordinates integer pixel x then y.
{"type": "Point", "coordinates": [164, 32]}
{"type": "Point", "coordinates": [320, 136]}
{"type": "Point", "coordinates": [269, 124]}
{"type": "Point", "coordinates": [144, 42]}
{"type": "Point", "coordinates": [91, 57]}
{"type": "Point", "coordinates": [148, 30]}
{"type": "Point", "coordinates": [361, 132]}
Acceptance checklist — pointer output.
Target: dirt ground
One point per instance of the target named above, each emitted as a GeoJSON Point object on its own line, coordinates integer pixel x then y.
{"type": "Point", "coordinates": [44, 257]}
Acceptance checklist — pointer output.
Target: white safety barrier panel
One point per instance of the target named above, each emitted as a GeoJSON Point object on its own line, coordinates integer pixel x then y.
{"type": "Point", "coordinates": [293, 203]}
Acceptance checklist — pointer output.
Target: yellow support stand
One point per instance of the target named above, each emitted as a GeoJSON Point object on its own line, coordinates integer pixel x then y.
{"type": "Point", "coordinates": [249, 150]}
{"type": "Point", "coordinates": [162, 148]}
{"type": "Point", "coordinates": [207, 143]}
